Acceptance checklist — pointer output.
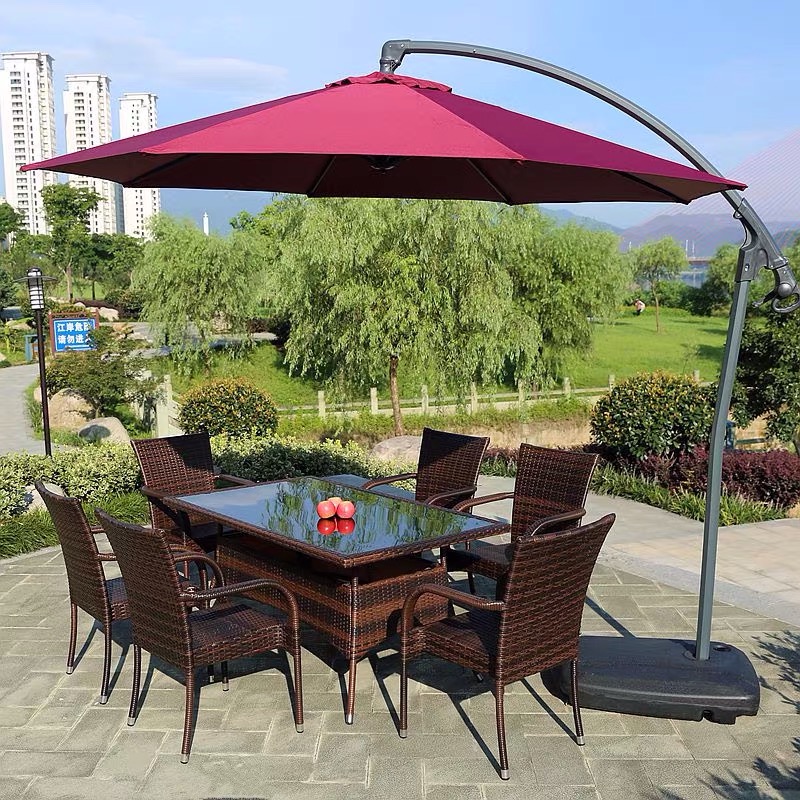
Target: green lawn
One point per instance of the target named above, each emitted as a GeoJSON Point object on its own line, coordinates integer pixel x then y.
{"type": "Point", "coordinates": [624, 347]}
{"type": "Point", "coordinates": [631, 344]}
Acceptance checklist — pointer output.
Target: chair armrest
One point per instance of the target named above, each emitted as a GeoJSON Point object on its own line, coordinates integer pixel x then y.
{"type": "Point", "coordinates": [435, 499]}
{"type": "Point", "coordinates": [479, 501]}
{"type": "Point", "coordinates": [235, 479]}
{"type": "Point", "coordinates": [246, 586]}
{"type": "Point", "coordinates": [187, 555]}
{"type": "Point", "coordinates": [547, 524]}
{"type": "Point", "coordinates": [462, 598]}
{"type": "Point", "coordinates": [405, 476]}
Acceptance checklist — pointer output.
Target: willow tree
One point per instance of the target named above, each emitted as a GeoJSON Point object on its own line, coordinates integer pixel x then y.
{"type": "Point", "coordinates": [658, 261]}
{"type": "Point", "coordinates": [194, 285]}
{"type": "Point", "coordinates": [565, 278]}
{"type": "Point", "coordinates": [370, 285]}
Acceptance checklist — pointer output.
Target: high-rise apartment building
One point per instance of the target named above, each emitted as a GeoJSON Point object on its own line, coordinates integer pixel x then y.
{"type": "Point", "coordinates": [87, 115]}
{"type": "Point", "coordinates": [27, 122]}
{"type": "Point", "coordinates": [137, 114]}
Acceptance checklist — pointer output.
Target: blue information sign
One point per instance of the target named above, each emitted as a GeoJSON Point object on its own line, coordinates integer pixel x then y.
{"type": "Point", "coordinates": [72, 333]}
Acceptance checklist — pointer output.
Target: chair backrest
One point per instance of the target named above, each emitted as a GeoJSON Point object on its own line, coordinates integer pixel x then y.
{"type": "Point", "coordinates": [448, 461]}
{"type": "Point", "coordinates": [158, 615]}
{"type": "Point", "coordinates": [544, 595]}
{"type": "Point", "coordinates": [87, 582]}
{"type": "Point", "coordinates": [177, 464]}
{"type": "Point", "coordinates": [548, 482]}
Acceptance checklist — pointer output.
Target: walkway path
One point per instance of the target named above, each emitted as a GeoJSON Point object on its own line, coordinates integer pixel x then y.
{"type": "Point", "coordinates": [15, 432]}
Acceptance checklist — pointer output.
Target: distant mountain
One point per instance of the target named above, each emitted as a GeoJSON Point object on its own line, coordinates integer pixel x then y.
{"type": "Point", "coordinates": [220, 205]}
{"type": "Point", "coordinates": [773, 180]}
{"type": "Point", "coordinates": [562, 216]}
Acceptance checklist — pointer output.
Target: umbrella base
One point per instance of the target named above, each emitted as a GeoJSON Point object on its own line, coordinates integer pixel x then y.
{"type": "Point", "coordinates": [660, 678]}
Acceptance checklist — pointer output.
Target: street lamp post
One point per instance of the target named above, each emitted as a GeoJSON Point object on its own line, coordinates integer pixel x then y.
{"type": "Point", "coordinates": [35, 281]}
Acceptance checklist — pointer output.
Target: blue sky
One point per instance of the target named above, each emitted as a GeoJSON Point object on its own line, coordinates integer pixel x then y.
{"type": "Point", "coordinates": [723, 74]}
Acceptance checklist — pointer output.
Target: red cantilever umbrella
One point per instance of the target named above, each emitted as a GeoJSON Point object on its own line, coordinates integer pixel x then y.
{"type": "Point", "coordinates": [387, 135]}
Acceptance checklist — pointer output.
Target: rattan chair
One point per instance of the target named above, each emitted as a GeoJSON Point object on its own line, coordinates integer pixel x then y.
{"type": "Point", "coordinates": [548, 482]}
{"type": "Point", "coordinates": [162, 625]}
{"type": "Point", "coordinates": [447, 470]}
{"type": "Point", "coordinates": [536, 624]}
{"type": "Point", "coordinates": [180, 465]}
{"type": "Point", "coordinates": [103, 599]}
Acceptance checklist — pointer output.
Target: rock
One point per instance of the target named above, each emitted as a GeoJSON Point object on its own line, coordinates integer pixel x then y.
{"type": "Point", "coordinates": [3, 359]}
{"type": "Point", "coordinates": [105, 429]}
{"type": "Point", "coordinates": [34, 499]}
{"type": "Point", "coordinates": [68, 410]}
{"type": "Point", "coordinates": [108, 314]}
{"type": "Point", "coordinates": [403, 449]}
{"type": "Point", "coordinates": [79, 305]}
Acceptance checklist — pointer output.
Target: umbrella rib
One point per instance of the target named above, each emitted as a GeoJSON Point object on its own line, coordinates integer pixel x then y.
{"type": "Point", "coordinates": [674, 197]}
{"type": "Point", "coordinates": [503, 196]}
{"type": "Point", "coordinates": [321, 176]}
{"type": "Point", "coordinates": [160, 168]}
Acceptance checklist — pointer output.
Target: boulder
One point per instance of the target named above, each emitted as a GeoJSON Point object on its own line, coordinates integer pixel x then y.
{"type": "Point", "coordinates": [79, 305]}
{"type": "Point", "coordinates": [105, 429]}
{"type": "Point", "coordinates": [403, 449]}
{"type": "Point", "coordinates": [3, 359]}
{"type": "Point", "coordinates": [34, 499]}
{"type": "Point", "coordinates": [68, 410]}
{"type": "Point", "coordinates": [108, 314]}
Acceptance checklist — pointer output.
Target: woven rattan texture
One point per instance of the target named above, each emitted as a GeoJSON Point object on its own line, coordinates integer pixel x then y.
{"type": "Point", "coordinates": [176, 465]}
{"type": "Point", "coordinates": [88, 587]}
{"type": "Point", "coordinates": [356, 610]}
{"type": "Point", "coordinates": [448, 461]}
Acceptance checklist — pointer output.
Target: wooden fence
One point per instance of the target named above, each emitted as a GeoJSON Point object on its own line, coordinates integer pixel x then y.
{"type": "Point", "coordinates": [164, 413]}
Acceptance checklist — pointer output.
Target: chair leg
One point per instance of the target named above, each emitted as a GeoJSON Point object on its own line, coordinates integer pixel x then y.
{"type": "Point", "coordinates": [187, 717]}
{"type": "Point", "coordinates": [223, 668]}
{"type": "Point", "coordinates": [106, 662]}
{"type": "Point", "coordinates": [211, 674]}
{"type": "Point", "coordinates": [576, 709]}
{"type": "Point", "coordinates": [298, 689]}
{"type": "Point", "coordinates": [137, 675]}
{"type": "Point", "coordinates": [501, 730]}
{"type": "Point", "coordinates": [73, 637]}
{"type": "Point", "coordinates": [351, 691]}
{"type": "Point", "coordinates": [403, 730]}
{"type": "Point", "coordinates": [471, 581]}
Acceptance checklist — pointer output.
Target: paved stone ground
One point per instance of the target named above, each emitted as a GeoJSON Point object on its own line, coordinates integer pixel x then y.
{"type": "Point", "coordinates": [15, 434]}
{"type": "Point", "coordinates": [57, 742]}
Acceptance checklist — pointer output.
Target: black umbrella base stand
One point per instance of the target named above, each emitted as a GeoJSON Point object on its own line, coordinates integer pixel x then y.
{"type": "Point", "coordinates": [660, 678]}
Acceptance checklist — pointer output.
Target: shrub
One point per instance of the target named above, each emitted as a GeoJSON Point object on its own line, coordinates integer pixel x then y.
{"type": "Point", "coordinates": [653, 413]}
{"type": "Point", "coordinates": [228, 406]}
{"type": "Point", "coordinates": [91, 474]}
{"type": "Point", "coordinates": [771, 476]}
{"type": "Point", "coordinates": [128, 302]}
{"type": "Point", "coordinates": [500, 461]}
{"type": "Point", "coordinates": [263, 459]}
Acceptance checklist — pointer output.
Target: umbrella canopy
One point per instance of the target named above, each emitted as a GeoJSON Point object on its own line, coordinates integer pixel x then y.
{"type": "Point", "coordinates": [387, 135]}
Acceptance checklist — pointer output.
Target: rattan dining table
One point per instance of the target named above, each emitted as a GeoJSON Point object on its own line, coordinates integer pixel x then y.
{"type": "Point", "coordinates": [349, 578]}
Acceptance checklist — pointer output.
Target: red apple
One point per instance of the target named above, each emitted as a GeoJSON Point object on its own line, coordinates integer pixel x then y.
{"type": "Point", "coordinates": [326, 526]}
{"type": "Point", "coordinates": [345, 525]}
{"type": "Point", "coordinates": [345, 510]}
{"type": "Point", "coordinates": [335, 501]}
{"type": "Point", "coordinates": [326, 509]}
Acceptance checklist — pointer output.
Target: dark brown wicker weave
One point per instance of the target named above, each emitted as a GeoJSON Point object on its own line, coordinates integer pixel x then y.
{"type": "Point", "coordinates": [105, 600]}
{"type": "Point", "coordinates": [447, 471]}
{"type": "Point", "coordinates": [548, 482]}
{"type": "Point", "coordinates": [355, 609]}
{"type": "Point", "coordinates": [162, 624]}
{"type": "Point", "coordinates": [180, 465]}
{"type": "Point", "coordinates": [535, 626]}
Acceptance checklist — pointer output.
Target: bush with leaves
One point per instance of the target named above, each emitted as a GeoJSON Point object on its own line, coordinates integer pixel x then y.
{"type": "Point", "coordinates": [128, 302]}
{"type": "Point", "coordinates": [653, 413]}
{"type": "Point", "coordinates": [108, 375]}
{"type": "Point", "coordinates": [228, 406]}
{"type": "Point", "coordinates": [9, 290]}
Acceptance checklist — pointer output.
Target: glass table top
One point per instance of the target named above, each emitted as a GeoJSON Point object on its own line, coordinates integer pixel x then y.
{"type": "Point", "coordinates": [288, 509]}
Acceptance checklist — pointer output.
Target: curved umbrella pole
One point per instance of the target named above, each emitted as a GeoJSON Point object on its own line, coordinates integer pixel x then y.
{"type": "Point", "coordinates": [758, 251]}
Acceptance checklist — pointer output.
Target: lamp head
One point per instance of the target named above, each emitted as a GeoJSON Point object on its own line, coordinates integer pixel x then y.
{"type": "Point", "coordinates": [35, 282]}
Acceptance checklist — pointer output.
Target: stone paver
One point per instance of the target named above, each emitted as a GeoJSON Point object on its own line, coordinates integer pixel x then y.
{"type": "Point", "coordinates": [57, 742]}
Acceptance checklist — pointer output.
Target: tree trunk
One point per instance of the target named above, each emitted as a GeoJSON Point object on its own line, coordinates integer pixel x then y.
{"type": "Point", "coordinates": [658, 321]}
{"type": "Point", "coordinates": [395, 394]}
{"type": "Point", "coordinates": [68, 276]}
